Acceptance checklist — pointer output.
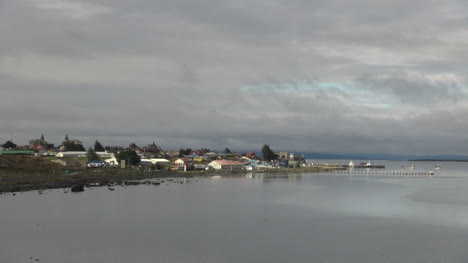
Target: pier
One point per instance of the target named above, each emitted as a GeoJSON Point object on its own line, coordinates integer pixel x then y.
{"type": "Point", "coordinates": [379, 173]}
{"type": "Point", "coordinates": [365, 166]}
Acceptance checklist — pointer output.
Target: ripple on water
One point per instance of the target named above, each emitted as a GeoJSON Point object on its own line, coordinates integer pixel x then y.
{"type": "Point", "coordinates": [449, 196]}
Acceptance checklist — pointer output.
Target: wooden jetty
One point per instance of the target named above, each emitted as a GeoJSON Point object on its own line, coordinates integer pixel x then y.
{"type": "Point", "coordinates": [377, 173]}
{"type": "Point", "coordinates": [365, 166]}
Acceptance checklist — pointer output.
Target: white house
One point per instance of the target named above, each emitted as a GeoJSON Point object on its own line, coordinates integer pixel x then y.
{"type": "Point", "coordinates": [83, 154]}
{"type": "Point", "coordinates": [156, 161]}
{"type": "Point", "coordinates": [70, 154]}
{"type": "Point", "coordinates": [105, 155]}
{"type": "Point", "coordinates": [112, 161]}
{"type": "Point", "coordinates": [179, 162]}
{"type": "Point", "coordinates": [226, 165]}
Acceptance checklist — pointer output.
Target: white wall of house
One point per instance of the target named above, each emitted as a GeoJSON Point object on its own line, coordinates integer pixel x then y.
{"type": "Point", "coordinates": [215, 165]}
{"type": "Point", "coordinates": [179, 162]}
{"type": "Point", "coordinates": [83, 154]}
{"type": "Point", "coordinates": [157, 161]}
{"type": "Point", "coordinates": [218, 165]}
{"type": "Point", "coordinates": [112, 161]}
{"type": "Point", "coordinates": [70, 154]}
{"type": "Point", "coordinates": [105, 155]}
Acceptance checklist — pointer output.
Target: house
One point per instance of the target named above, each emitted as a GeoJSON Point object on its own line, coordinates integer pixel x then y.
{"type": "Point", "coordinates": [159, 161]}
{"type": "Point", "coordinates": [156, 161]}
{"type": "Point", "coordinates": [105, 154]}
{"type": "Point", "coordinates": [151, 149]}
{"type": "Point", "coordinates": [179, 162]}
{"type": "Point", "coordinates": [226, 165]}
{"type": "Point", "coordinates": [266, 165]}
{"type": "Point", "coordinates": [283, 163]}
{"type": "Point", "coordinates": [294, 164]}
{"type": "Point", "coordinates": [196, 153]}
{"type": "Point", "coordinates": [161, 164]}
{"type": "Point", "coordinates": [245, 159]}
{"type": "Point", "coordinates": [67, 163]}
{"type": "Point", "coordinates": [282, 155]}
{"type": "Point", "coordinates": [70, 154]}
{"type": "Point", "coordinates": [251, 155]}
{"type": "Point", "coordinates": [198, 159]}
{"type": "Point", "coordinates": [95, 164]}
{"type": "Point", "coordinates": [69, 144]}
{"type": "Point", "coordinates": [253, 163]}
{"type": "Point", "coordinates": [83, 154]}
{"type": "Point", "coordinates": [40, 145]}
{"type": "Point", "coordinates": [211, 154]}
{"type": "Point", "coordinates": [111, 161]}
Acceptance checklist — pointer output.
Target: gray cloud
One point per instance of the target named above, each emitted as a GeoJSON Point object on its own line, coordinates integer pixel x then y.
{"type": "Point", "coordinates": [415, 89]}
{"type": "Point", "coordinates": [332, 76]}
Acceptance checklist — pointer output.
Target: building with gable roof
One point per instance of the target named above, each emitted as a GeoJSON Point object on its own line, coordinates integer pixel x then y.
{"type": "Point", "coordinates": [226, 165]}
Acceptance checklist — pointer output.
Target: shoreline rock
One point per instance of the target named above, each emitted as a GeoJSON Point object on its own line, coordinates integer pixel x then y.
{"type": "Point", "coordinates": [77, 188]}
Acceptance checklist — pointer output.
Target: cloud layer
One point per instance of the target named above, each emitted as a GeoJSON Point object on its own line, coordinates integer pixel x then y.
{"type": "Point", "coordinates": [356, 76]}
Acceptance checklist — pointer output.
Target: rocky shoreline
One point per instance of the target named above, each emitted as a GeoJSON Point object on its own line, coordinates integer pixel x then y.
{"type": "Point", "coordinates": [110, 178]}
{"type": "Point", "coordinates": [68, 183]}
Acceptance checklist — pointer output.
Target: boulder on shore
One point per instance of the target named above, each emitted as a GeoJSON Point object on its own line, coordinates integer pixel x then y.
{"type": "Point", "coordinates": [77, 188]}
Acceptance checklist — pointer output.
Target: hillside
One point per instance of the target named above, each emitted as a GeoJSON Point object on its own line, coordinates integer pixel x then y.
{"type": "Point", "coordinates": [27, 164]}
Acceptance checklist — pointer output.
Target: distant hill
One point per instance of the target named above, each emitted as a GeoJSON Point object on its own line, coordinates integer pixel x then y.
{"type": "Point", "coordinates": [391, 157]}
{"type": "Point", "coordinates": [373, 156]}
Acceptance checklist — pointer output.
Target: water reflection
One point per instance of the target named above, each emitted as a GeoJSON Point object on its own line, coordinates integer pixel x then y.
{"type": "Point", "coordinates": [251, 218]}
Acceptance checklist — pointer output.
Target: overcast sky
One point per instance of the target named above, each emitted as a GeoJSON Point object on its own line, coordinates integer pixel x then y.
{"type": "Point", "coordinates": [357, 76]}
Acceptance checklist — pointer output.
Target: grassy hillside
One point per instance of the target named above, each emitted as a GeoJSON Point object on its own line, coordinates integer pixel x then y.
{"type": "Point", "coordinates": [27, 164]}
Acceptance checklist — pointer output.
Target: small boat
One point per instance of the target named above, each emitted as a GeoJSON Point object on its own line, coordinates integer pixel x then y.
{"type": "Point", "coordinates": [351, 164]}
{"type": "Point", "coordinates": [437, 167]}
{"type": "Point", "coordinates": [411, 166]}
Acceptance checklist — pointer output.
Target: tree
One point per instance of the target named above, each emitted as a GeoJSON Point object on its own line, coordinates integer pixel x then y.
{"type": "Point", "coordinates": [268, 154]}
{"type": "Point", "coordinates": [8, 145]}
{"type": "Point", "coordinates": [227, 150]}
{"type": "Point", "coordinates": [91, 155]}
{"type": "Point", "coordinates": [98, 147]}
{"type": "Point", "coordinates": [205, 150]}
{"type": "Point", "coordinates": [72, 146]}
{"type": "Point", "coordinates": [79, 147]}
{"type": "Point", "coordinates": [181, 152]}
{"type": "Point", "coordinates": [129, 156]}
{"type": "Point", "coordinates": [50, 146]}
{"type": "Point", "coordinates": [133, 146]}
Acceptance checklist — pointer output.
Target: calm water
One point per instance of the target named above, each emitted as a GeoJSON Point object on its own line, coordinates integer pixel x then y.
{"type": "Point", "coordinates": [298, 218]}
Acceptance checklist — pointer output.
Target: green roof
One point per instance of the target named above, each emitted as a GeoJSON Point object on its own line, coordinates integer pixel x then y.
{"type": "Point", "coordinates": [16, 152]}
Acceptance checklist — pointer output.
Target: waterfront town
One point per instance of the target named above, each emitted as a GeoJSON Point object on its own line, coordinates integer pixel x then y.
{"type": "Point", "coordinates": [72, 155]}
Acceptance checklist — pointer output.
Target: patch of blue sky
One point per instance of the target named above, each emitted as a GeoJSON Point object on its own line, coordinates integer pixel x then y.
{"type": "Point", "coordinates": [297, 87]}
{"type": "Point", "coordinates": [355, 94]}
{"type": "Point", "coordinates": [337, 86]}
{"type": "Point", "coordinates": [382, 104]}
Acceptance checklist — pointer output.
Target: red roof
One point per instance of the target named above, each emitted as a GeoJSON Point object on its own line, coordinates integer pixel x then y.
{"type": "Point", "coordinates": [38, 147]}
{"type": "Point", "coordinates": [251, 154]}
